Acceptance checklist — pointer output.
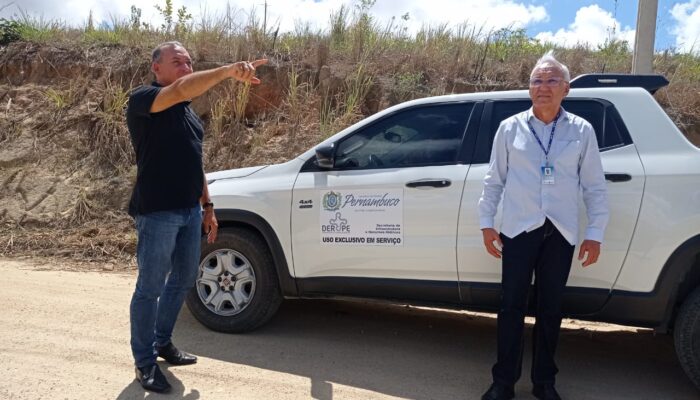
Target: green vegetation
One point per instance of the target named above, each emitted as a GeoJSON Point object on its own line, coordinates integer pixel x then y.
{"type": "Point", "coordinates": [353, 34]}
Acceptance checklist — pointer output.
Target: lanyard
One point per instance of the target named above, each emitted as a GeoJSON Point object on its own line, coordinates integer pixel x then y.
{"type": "Point", "coordinates": [551, 136]}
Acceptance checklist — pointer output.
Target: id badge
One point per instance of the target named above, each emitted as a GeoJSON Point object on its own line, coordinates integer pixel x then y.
{"type": "Point", "coordinates": [548, 175]}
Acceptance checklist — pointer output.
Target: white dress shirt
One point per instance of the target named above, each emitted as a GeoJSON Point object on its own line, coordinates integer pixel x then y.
{"type": "Point", "coordinates": [515, 172]}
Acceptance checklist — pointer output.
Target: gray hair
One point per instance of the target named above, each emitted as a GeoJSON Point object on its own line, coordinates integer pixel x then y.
{"type": "Point", "coordinates": [548, 59]}
{"type": "Point", "coordinates": [155, 55]}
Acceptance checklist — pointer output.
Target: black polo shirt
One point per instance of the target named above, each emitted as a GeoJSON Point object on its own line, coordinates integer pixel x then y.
{"type": "Point", "coordinates": [168, 146]}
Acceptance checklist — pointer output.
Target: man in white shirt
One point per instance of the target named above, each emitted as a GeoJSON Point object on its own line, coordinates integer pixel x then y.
{"type": "Point", "coordinates": [541, 159]}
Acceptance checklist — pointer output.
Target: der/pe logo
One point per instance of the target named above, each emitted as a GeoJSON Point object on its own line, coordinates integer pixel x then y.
{"type": "Point", "coordinates": [331, 201]}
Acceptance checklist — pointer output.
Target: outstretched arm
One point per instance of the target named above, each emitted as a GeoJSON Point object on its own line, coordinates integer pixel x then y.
{"type": "Point", "coordinates": [195, 84]}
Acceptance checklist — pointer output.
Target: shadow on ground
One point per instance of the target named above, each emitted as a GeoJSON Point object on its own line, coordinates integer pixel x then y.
{"type": "Point", "coordinates": [430, 354]}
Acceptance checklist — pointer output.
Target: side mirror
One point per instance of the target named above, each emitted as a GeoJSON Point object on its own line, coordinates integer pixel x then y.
{"type": "Point", "coordinates": [325, 156]}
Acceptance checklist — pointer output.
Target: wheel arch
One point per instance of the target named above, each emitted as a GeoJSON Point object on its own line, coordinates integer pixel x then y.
{"type": "Point", "coordinates": [243, 218]}
{"type": "Point", "coordinates": [658, 308]}
{"type": "Point", "coordinates": [684, 265]}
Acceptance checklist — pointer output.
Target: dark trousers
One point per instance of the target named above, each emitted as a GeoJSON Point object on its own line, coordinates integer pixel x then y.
{"type": "Point", "coordinates": [545, 252]}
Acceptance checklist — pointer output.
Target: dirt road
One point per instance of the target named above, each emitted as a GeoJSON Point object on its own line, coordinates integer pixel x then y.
{"type": "Point", "coordinates": [64, 335]}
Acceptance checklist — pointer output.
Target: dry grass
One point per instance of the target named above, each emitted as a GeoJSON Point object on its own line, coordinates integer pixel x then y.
{"type": "Point", "coordinates": [108, 139]}
{"type": "Point", "coordinates": [226, 127]}
{"type": "Point", "coordinates": [82, 211]}
{"type": "Point", "coordinates": [106, 240]}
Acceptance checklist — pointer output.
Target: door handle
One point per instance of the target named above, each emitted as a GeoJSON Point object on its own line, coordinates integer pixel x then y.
{"type": "Point", "coordinates": [436, 183]}
{"type": "Point", "coordinates": [618, 177]}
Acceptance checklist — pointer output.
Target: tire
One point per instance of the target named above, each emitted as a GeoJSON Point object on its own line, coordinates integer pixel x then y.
{"type": "Point", "coordinates": [686, 336]}
{"type": "Point", "coordinates": [237, 289]}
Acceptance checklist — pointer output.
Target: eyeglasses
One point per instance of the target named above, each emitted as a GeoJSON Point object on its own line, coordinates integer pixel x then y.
{"type": "Point", "coordinates": [551, 82]}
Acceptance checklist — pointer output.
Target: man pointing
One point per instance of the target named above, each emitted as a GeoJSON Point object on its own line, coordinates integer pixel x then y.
{"type": "Point", "coordinates": [168, 199]}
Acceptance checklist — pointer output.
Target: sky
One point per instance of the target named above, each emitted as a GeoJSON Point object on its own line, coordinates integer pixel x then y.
{"type": "Point", "coordinates": [564, 22]}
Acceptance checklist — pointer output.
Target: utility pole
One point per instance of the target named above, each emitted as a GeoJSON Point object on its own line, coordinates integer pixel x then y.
{"type": "Point", "coordinates": [265, 19]}
{"type": "Point", "coordinates": [644, 37]}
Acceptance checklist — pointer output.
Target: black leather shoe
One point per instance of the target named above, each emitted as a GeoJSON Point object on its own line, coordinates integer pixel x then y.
{"type": "Point", "coordinates": [173, 356]}
{"type": "Point", "coordinates": [152, 379]}
{"type": "Point", "coordinates": [545, 392]}
{"type": "Point", "coordinates": [498, 392]}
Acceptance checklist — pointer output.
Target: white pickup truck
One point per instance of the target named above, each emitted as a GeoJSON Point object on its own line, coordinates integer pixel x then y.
{"type": "Point", "coordinates": [387, 209]}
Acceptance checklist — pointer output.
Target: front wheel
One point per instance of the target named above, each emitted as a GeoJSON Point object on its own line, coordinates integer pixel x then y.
{"type": "Point", "coordinates": [237, 289]}
{"type": "Point", "coordinates": [687, 336]}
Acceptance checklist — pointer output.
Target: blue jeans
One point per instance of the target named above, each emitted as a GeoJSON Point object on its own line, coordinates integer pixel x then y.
{"type": "Point", "coordinates": [167, 254]}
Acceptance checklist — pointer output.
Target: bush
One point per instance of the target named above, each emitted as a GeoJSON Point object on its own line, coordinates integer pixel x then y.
{"type": "Point", "coordinates": [9, 31]}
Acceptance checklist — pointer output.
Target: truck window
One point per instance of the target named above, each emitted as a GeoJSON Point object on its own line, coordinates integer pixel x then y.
{"type": "Point", "coordinates": [602, 115]}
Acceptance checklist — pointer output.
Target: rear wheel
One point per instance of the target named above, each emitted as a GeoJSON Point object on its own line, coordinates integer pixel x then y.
{"type": "Point", "coordinates": [237, 289]}
{"type": "Point", "coordinates": [687, 336]}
